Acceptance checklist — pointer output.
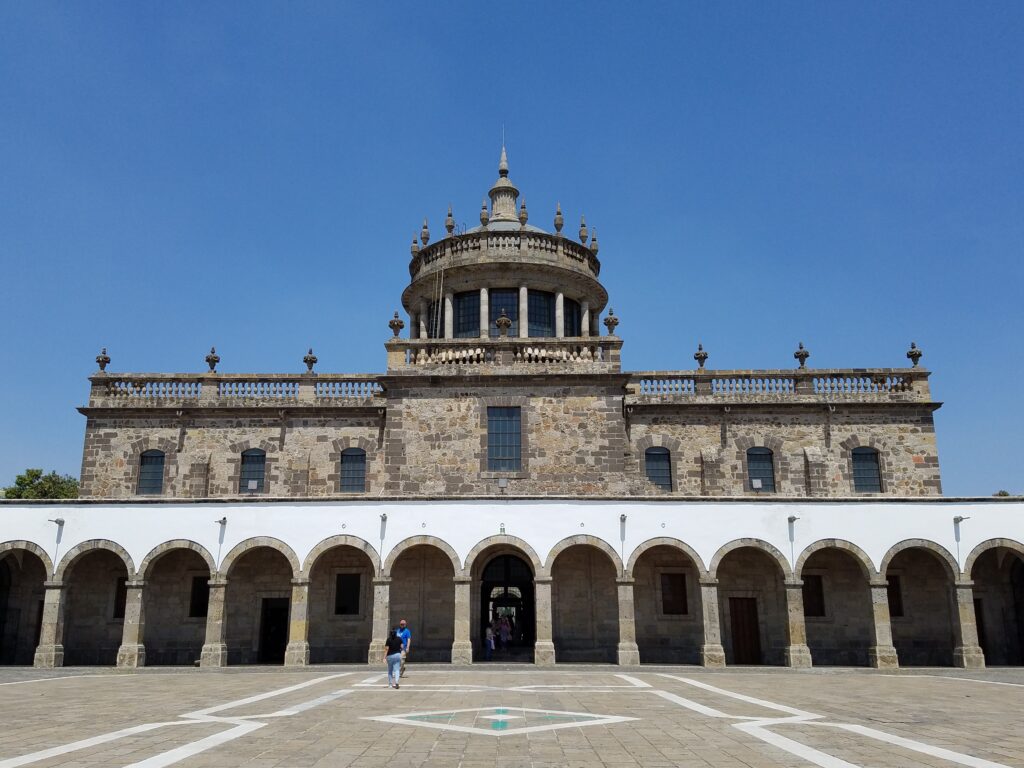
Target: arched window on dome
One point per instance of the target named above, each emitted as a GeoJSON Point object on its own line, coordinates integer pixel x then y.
{"type": "Point", "coordinates": [573, 319]}
{"type": "Point", "coordinates": [507, 299]}
{"type": "Point", "coordinates": [252, 475]}
{"type": "Point", "coordinates": [867, 474]}
{"type": "Point", "coordinates": [466, 308]}
{"type": "Point", "coordinates": [151, 473]}
{"type": "Point", "coordinates": [658, 466]}
{"type": "Point", "coordinates": [761, 470]}
{"type": "Point", "coordinates": [541, 306]}
{"type": "Point", "coordinates": [353, 470]}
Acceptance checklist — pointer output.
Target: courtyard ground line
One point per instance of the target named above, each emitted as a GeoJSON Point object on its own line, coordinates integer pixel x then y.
{"type": "Point", "coordinates": [263, 696]}
{"type": "Point", "coordinates": [189, 750]}
{"type": "Point", "coordinates": [635, 682]}
{"type": "Point", "coordinates": [93, 741]}
{"type": "Point", "coordinates": [916, 746]}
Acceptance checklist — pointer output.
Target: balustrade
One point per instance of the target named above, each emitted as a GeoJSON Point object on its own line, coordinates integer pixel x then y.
{"type": "Point", "coordinates": [478, 245]}
{"type": "Point", "coordinates": [465, 353]}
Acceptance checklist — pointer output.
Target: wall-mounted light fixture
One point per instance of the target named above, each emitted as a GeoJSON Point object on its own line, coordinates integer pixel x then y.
{"type": "Point", "coordinates": [58, 520]}
{"type": "Point", "coordinates": [222, 521]}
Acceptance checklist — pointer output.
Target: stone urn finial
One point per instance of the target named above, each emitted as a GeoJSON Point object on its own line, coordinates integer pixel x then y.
{"type": "Point", "coordinates": [559, 219]}
{"type": "Point", "coordinates": [913, 354]}
{"type": "Point", "coordinates": [523, 216]}
{"type": "Point", "coordinates": [593, 243]}
{"type": "Point", "coordinates": [611, 322]}
{"type": "Point", "coordinates": [504, 322]}
{"type": "Point", "coordinates": [802, 354]}
{"type": "Point", "coordinates": [396, 324]}
{"type": "Point", "coordinates": [415, 247]}
{"type": "Point", "coordinates": [700, 355]}
{"type": "Point", "coordinates": [103, 360]}
{"type": "Point", "coordinates": [583, 229]}
{"type": "Point", "coordinates": [310, 360]}
{"type": "Point", "coordinates": [449, 222]}
{"type": "Point", "coordinates": [425, 233]}
{"type": "Point", "coordinates": [212, 359]}
{"type": "Point", "coordinates": [484, 216]}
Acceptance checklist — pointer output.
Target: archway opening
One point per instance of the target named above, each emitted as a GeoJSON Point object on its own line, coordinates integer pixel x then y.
{"type": "Point", "coordinates": [752, 607]}
{"type": "Point", "coordinates": [669, 624]}
{"type": "Point", "coordinates": [506, 604]}
{"type": "Point", "coordinates": [340, 606]}
{"type": "Point", "coordinates": [176, 597]}
{"type": "Point", "coordinates": [22, 574]}
{"type": "Point", "coordinates": [920, 608]}
{"type": "Point", "coordinates": [96, 595]}
{"type": "Point", "coordinates": [423, 593]}
{"type": "Point", "coordinates": [838, 616]}
{"type": "Point", "coordinates": [258, 607]}
{"type": "Point", "coordinates": [998, 576]}
{"type": "Point", "coordinates": [584, 605]}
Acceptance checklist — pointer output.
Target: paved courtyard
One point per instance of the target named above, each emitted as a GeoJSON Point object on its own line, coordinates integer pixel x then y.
{"type": "Point", "coordinates": [488, 717]}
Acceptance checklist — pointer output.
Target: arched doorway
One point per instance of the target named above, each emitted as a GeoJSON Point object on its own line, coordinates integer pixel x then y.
{"type": "Point", "coordinates": [920, 608]}
{"type": "Point", "coordinates": [340, 606]}
{"type": "Point", "coordinates": [95, 608]}
{"type": "Point", "coordinates": [837, 609]}
{"type": "Point", "coordinates": [752, 607]}
{"type": "Point", "coordinates": [669, 620]}
{"type": "Point", "coordinates": [507, 605]}
{"type": "Point", "coordinates": [176, 597]}
{"type": "Point", "coordinates": [258, 606]}
{"type": "Point", "coordinates": [998, 575]}
{"type": "Point", "coordinates": [584, 605]}
{"type": "Point", "coordinates": [423, 593]}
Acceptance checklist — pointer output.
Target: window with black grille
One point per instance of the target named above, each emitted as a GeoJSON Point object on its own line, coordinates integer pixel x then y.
{"type": "Point", "coordinates": [346, 594]}
{"type": "Point", "coordinates": [199, 598]}
{"type": "Point", "coordinates": [814, 595]}
{"type": "Point", "coordinates": [541, 314]}
{"type": "Point", "coordinates": [251, 477]}
{"type": "Point", "coordinates": [353, 470]}
{"type": "Point", "coordinates": [761, 470]}
{"type": "Point", "coordinates": [673, 594]}
{"type": "Point", "coordinates": [504, 439]}
{"type": "Point", "coordinates": [573, 318]}
{"type": "Point", "coordinates": [867, 477]}
{"type": "Point", "coordinates": [467, 315]}
{"type": "Point", "coordinates": [151, 473]}
{"type": "Point", "coordinates": [507, 299]}
{"type": "Point", "coordinates": [658, 465]}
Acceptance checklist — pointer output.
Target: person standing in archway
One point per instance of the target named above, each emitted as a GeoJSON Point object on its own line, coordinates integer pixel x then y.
{"type": "Point", "coordinates": [394, 657]}
{"type": "Point", "coordinates": [405, 634]}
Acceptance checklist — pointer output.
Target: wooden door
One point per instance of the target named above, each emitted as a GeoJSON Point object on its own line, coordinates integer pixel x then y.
{"type": "Point", "coordinates": [746, 634]}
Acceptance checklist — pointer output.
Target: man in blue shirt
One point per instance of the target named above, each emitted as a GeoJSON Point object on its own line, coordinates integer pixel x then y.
{"type": "Point", "coordinates": [406, 635]}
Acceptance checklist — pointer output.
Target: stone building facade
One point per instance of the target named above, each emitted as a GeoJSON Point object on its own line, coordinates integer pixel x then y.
{"type": "Point", "coordinates": [505, 466]}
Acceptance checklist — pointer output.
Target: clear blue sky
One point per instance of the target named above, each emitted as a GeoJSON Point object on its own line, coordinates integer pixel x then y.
{"type": "Point", "coordinates": [176, 175]}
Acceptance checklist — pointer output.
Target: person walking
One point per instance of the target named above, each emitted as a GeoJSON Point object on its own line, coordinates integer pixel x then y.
{"type": "Point", "coordinates": [393, 657]}
{"type": "Point", "coordinates": [488, 643]}
{"type": "Point", "coordinates": [405, 634]}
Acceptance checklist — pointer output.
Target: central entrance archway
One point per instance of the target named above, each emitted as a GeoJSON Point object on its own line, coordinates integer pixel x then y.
{"type": "Point", "coordinates": [507, 606]}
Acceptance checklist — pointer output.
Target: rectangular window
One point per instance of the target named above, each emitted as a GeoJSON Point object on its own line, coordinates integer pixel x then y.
{"type": "Point", "coordinates": [353, 470]}
{"type": "Point", "coordinates": [120, 597]}
{"type": "Point", "coordinates": [866, 475]}
{"type": "Point", "coordinates": [760, 470]}
{"type": "Point", "coordinates": [346, 594]}
{"type": "Point", "coordinates": [507, 299]}
{"type": "Point", "coordinates": [541, 314]}
{"type": "Point", "coordinates": [467, 315]}
{"type": "Point", "coordinates": [814, 596]}
{"type": "Point", "coordinates": [573, 318]}
{"type": "Point", "coordinates": [151, 473]}
{"type": "Point", "coordinates": [199, 598]}
{"type": "Point", "coordinates": [250, 478]}
{"type": "Point", "coordinates": [503, 439]}
{"type": "Point", "coordinates": [895, 594]}
{"type": "Point", "coordinates": [658, 465]}
{"type": "Point", "coordinates": [673, 594]}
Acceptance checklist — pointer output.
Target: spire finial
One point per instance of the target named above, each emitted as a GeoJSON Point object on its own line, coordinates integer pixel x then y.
{"type": "Point", "coordinates": [425, 232]}
{"type": "Point", "coordinates": [103, 359]}
{"type": "Point", "coordinates": [583, 230]}
{"type": "Point", "coordinates": [559, 220]}
{"type": "Point", "coordinates": [523, 215]}
{"type": "Point", "coordinates": [484, 216]}
{"type": "Point", "coordinates": [802, 354]}
{"type": "Point", "coordinates": [415, 247]}
{"type": "Point", "coordinates": [310, 360]}
{"type": "Point", "coordinates": [593, 242]}
{"type": "Point", "coordinates": [449, 222]}
{"type": "Point", "coordinates": [503, 162]}
{"type": "Point", "coordinates": [914, 354]}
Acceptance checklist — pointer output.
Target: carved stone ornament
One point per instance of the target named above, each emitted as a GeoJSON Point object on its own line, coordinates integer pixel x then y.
{"type": "Point", "coordinates": [583, 230]}
{"type": "Point", "coordinates": [396, 324]}
{"type": "Point", "coordinates": [449, 222]}
{"type": "Point", "coordinates": [611, 322]}
{"type": "Point", "coordinates": [425, 233]}
{"type": "Point", "coordinates": [523, 215]}
{"type": "Point", "coordinates": [802, 354]}
{"type": "Point", "coordinates": [559, 219]}
{"type": "Point", "coordinates": [310, 360]}
{"type": "Point", "coordinates": [504, 322]}
{"type": "Point", "coordinates": [212, 359]}
{"type": "Point", "coordinates": [103, 359]}
{"type": "Point", "coordinates": [700, 355]}
{"type": "Point", "coordinates": [484, 216]}
{"type": "Point", "coordinates": [914, 354]}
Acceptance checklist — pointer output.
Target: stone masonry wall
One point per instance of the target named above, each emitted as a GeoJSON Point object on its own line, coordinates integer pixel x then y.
{"type": "Point", "coordinates": [585, 612]}
{"type": "Point", "coordinates": [171, 636]}
{"type": "Point", "coordinates": [92, 634]}
{"type": "Point", "coordinates": [258, 574]}
{"type": "Point", "coordinates": [665, 639]}
{"type": "Point", "coordinates": [423, 593]}
{"type": "Point", "coordinates": [335, 639]}
{"type": "Point", "coordinates": [923, 636]}
{"type": "Point", "coordinates": [841, 637]}
{"type": "Point", "coordinates": [748, 572]}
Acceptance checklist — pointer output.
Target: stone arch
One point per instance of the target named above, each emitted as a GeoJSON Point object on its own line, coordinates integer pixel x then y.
{"type": "Point", "coordinates": [666, 541]}
{"type": "Point", "coordinates": [586, 539]}
{"type": "Point", "coordinates": [168, 546]}
{"type": "Point", "coordinates": [675, 450]}
{"type": "Point", "coordinates": [254, 543]}
{"type": "Point", "coordinates": [89, 546]}
{"type": "Point", "coordinates": [952, 568]}
{"type": "Point", "coordinates": [978, 551]}
{"type": "Point", "coordinates": [341, 540]}
{"type": "Point", "coordinates": [504, 540]}
{"type": "Point", "coordinates": [849, 547]}
{"type": "Point", "coordinates": [764, 546]}
{"type": "Point", "coordinates": [415, 541]}
{"type": "Point", "coordinates": [29, 546]}
{"type": "Point", "coordinates": [846, 457]}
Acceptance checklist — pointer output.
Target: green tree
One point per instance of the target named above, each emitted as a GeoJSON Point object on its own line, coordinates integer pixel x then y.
{"type": "Point", "coordinates": [33, 484]}
{"type": "Point", "coordinates": [1001, 493]}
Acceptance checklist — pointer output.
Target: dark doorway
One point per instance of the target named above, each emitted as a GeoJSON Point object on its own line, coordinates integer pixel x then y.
{"type": "Point", "coordinates": [5, 591]}
{"type": "Point", "coordinates": [1017, 591]}
{"type": "Point", "coordinates": [273, 630]}
{"type": "Point", "coordinates": [746, 635]}
{"type": "Point", "coordinates": [979, 622]}
{"type": "Point", "coordinates": [506, 601]}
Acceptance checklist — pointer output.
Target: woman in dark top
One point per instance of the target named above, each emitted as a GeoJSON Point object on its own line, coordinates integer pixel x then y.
{"type": "Point", "coordinates": [393, 656]}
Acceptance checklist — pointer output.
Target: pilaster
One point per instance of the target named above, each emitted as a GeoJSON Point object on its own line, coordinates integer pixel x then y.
{"type": "Point", "coordinates": [296, 654]}
{"type": "Point", "coordinates": [628, 653]}
{"type": "Point", "coordinates": [132, 652]}
{"type": "Point", "coordinates": [882, 653]}
{"type": "Point", "coordinates": [462, 648]}
{"type": "Point", "coordinates": [544, 647]}
{"type": "Point", "coordinates": [524, 312]}
{"type": "Point", "coordinates": [797, 653]}
{"type": "Point", "coordinates": [215, 650]}
{"type": "Point", "coordinates": [967, 651]}
{"type": "Point", "coordinates": [485, 314]}
{"type": "Point", "coordinates": [381, 618]}
{"type": "Point", "coordinates": [50, 652]}
{"type": "Point", "coordinates": [560, 315]}
{"type": "Point", "coordinates": [712, 654]}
